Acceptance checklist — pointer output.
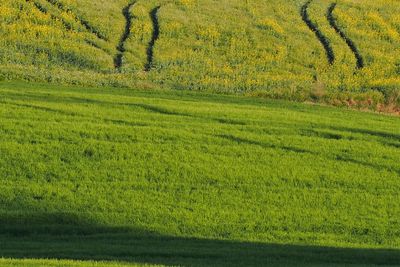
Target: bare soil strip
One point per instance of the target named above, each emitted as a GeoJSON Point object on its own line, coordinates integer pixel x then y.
{"type": "Point", "coordinates": [332, 21]}
{"type": "Point", "coordinates": [321, 37]}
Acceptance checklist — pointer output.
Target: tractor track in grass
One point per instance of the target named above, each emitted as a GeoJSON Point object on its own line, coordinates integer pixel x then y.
{"type": "Point", "coordinates": [314, 28]}
{"type": "Point", "coordinates": [154, 38]}
{"type": "Point", "coordinates": [125, 35]}
{"type": "Point", "coordinates": [82, 21]}
{"type": "Point", "coordinates": [96, 46]}
{"type": "Point", "coordinates": [333, 22]}
{"type": "Point", "coordinates": [66, 25]}
{"type": "Point", "coordinates": [44, 10]}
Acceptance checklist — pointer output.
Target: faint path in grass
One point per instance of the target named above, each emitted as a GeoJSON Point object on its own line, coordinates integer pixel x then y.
{"type": "Point", "coordinates": [81, 20]}
{"type": "Point", "coordinates": [125, 35]}
{"type": "Point", "coordinates": [314, 28]}
{"type": "Point", "coordinates": [332, 21]}
{"type": "Point", "coordinates": [155, 35]}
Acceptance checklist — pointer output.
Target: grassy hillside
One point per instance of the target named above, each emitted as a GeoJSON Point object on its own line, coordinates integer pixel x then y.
{"type": "Point", "coordinates": [147, 133]}
{"type": "Point", "coordinates": [180, 178]}
{"type": "Point", "coordinates": [202, 45]}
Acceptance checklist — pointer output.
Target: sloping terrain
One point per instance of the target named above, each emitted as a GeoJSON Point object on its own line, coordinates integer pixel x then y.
{"type": "Point", "coordinates": [203, 45]}
{"type": "Point", "coordinates": [148, 133]}
{"type": "Point", "coordinates": [179, 178]}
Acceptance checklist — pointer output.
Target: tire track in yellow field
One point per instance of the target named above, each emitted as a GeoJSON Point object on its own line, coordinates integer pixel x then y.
{"type": "Point", "coordinates": [154, 38]}
{"type": "Point", "coordinates": [314, 28]}
{"type": "Point", "coordinates": [333, 22]}
{"type": "Point", "coordinates": [126, 12]}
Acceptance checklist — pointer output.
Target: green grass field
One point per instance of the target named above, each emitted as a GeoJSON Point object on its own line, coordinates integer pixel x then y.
{"type": "Point", "coordinates": [118, 177]}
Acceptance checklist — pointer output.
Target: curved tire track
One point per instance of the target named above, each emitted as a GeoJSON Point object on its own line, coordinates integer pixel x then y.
{"type": "Point", "coordinates": [332, 21]}
{"type": "Point", "coordinates": [321, 37]}
{"type": "Point", "coordinates": [154, 38]}
{"type": "Point", "coordinates": [121, 45]}
{"type": "Point", "coordinates": [82, 21]}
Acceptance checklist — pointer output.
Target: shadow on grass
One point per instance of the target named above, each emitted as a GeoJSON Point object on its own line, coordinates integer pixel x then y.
{"type": "Point", "coordinates": [245, 141]}
{"type": "Point", "coordinates": [376, 133]}
{"type": "Point", "coordinates": [64, 236]}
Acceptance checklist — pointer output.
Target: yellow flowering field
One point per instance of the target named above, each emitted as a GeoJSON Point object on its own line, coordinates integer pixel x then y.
{"type": "Point", "coordinates": [275, 48]}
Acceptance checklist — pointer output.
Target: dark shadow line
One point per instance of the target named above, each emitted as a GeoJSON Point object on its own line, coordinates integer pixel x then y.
{"type": "Point", "coordinates": [126, 123]}
{"type": "Point", "coordinates": [332, 21]}
{"type": "Point", "coordinates": [241, 140]}
{"type": "Point", "coordinates": [31, 233]}
{"type": "Point", "coordinates": [392, 144]}
{"type": "Point", "coordinates": [46, 109]}
{"type": "Point", "coordinates": [73, 114]}
{"type": "Point", "coordinates": [321, 134]}
{"type": "Point", "coordinates": [125, 35]}
{"type": "Point", "coordinates": [147, 107]}
{"type": "Point", "coordinates": [96, 46]}
{"type": "Point", "coordinates": [230, 121]}
{"type": "Point", "coordinates": [366, 164]}
{"type": "Point", "coordinates": [376, 133]}
{"type": "Point", "coordinates": [164, 111]}
{"type": "Point", "coordinates": [154, 38]}
{"type": "Point", "coordinates": [159, 110]}
{"type": "Point", "coordinates": [314, 28]}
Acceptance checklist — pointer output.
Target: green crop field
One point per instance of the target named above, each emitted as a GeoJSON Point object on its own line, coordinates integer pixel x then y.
{"type": "Point", "coordinates": [176, 178]}
{"type": "Point", "coordinates": [200, 133]}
